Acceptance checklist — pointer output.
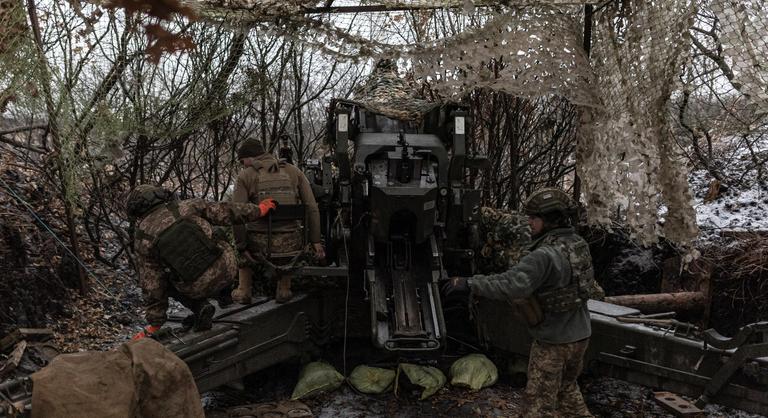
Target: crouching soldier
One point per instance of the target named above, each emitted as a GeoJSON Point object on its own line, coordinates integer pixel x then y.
{"type": "Point", "coordinates": [177, 256]}
{"type": "Point", "coordinates": [554, 280]}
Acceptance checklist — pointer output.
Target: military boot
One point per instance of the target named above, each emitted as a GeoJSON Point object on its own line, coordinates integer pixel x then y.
{"type": "Point", "coordinates": [242, 294]}
{"type": "Point", "coordinates": [283, 293]}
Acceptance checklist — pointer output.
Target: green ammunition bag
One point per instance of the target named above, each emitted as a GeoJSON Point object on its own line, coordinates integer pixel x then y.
{"type": "Point", "coordinates": [474, 371]}
{"type": "Point", "coordinates": [186, 250]}
{"type": "Point", "coordinates": [315, 378]}
{"type": "Point", "coordinates": [427, 377]}
{"type": "Point", "coordinates": [372, 380]}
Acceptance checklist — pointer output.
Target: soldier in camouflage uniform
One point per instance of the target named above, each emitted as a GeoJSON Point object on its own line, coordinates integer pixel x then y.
{"type": "Point", "coordinates": [177, 255]}
{"type": "Point", "coordinates": [265, 176]}
{"type": "Point", "coordinates": [556, 278]}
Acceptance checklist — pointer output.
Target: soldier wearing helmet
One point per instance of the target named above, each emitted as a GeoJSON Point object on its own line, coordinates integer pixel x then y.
{"type": "Point", "coordinates": [178, 255]}
{"type": "Point", "coordinates": [554, 280]}
{"type": "Point", "coordinates": [265, 175]}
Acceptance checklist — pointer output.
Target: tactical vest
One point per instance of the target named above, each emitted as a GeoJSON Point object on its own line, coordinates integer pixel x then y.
{"type": "Point", "coordinates": [278, 185]}
{"type": "Point", "coordinates": [582, 285]}
{"type": "Point", "coordinates": [183, 247]}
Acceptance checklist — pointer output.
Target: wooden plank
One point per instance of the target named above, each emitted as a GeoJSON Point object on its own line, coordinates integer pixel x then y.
{"type": "Point", "coordinates": [678, 406]}
{"type": "Point", "coordinates": [14, 359]}
{"type": "Point", "coordinates": [30, 334]}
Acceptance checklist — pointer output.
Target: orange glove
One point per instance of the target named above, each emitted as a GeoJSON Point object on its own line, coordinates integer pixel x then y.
{"type": "Point", "coordinates": [146, 332]}
{"type": "Point", "coordinates": [266, 205]}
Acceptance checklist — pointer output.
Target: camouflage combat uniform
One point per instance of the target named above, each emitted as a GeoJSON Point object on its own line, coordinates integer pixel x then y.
{"type": "Point", "coordinates": [266, 177]}
{"type": "Point", "coordinates": [157, 280]}
{"type": "Point", "coordinates": [560, 338]}
{"type": "Point", "coordinates": [292, 188]}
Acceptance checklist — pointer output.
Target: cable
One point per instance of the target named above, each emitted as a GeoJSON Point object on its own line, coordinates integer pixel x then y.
{"type": "Point", "coordinates": [55, 237]}
{"type": "Point", "coordinates": [346, 297]}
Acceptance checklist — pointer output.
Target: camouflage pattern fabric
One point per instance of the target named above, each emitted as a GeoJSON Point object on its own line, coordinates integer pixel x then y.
{"type": "Point", "coordinates": [288, 251]}
{"type": "Point", "coordinates": [157, 283]}
{"type": "Point", "coordinates": [276, 267]}
{"type": "Point", "coordinates": [388, 94]}
{"type": "Point", "coordinates": [506, 237]}
{"type": "Point", "coordinates": [552, 390]}
{"type": "Point", "coordinates": [576, 250]}
{"type": "Point", "coordinates": [284, 244]}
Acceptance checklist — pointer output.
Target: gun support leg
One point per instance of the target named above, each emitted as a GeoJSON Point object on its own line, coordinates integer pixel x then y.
{"type": "Point", "coordinates": [724, 374]}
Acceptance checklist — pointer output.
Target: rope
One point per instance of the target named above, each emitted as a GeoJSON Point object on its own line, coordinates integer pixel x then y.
{"type": "Point", "coordinates": [55, 237]}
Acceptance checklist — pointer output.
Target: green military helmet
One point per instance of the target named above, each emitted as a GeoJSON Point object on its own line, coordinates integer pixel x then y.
{"type": "Point", "coordinates": [145, 197]}
{"type": "Point", "coordinates": [549, 200]}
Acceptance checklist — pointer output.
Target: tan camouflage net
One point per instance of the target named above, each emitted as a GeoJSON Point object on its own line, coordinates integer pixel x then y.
{"type": "Point", "coordinates": [626, 157]}
{"type": "Point", "coordinates": [744, 37]}
{"type": "Point", "coordinates": [625, 150]}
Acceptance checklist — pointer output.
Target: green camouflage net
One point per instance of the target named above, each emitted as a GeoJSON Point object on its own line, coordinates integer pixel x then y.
{"type": "Point", "coordinates": [108, 96]}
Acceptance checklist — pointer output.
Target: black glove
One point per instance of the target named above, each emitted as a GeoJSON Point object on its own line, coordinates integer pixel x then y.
{"type": "Point", "coordinates": [456, 285]}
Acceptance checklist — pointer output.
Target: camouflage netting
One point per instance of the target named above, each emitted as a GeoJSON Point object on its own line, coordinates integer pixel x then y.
{"type": "Point", "coordinates": [387, 93]}
{"type": "Point", "coordinates": [625, 149]}
{"type": "Point", "coordinates": [625, 158]}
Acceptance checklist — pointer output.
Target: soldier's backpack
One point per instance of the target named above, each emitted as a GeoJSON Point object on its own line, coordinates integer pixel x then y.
{"type": "Point", "coordinates": [184, 248]}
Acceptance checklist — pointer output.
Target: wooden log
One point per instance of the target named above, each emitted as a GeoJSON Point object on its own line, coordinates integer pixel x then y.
{"type": "Point", "coordinates": [662, 302]}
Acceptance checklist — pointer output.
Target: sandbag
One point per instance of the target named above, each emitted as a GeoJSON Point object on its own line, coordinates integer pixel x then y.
{"type": "Point", "coordinates": [316, 377]}
{"type": "Point", "coordinates": [139, 379]}
{"type": "Point", "coordinates": [371, 380]}
{"type": "Point", "coordinates": [474, 371]}
{"type": "Point", "coordinates": [427, 377]}
{"type": "Point", "coordinates": [279, 409]}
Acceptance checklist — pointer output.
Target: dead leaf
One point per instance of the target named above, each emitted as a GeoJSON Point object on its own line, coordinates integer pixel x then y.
{"type": "Point", "coordinates": [161, 40]}
{"type": "Point", "coordinates": [163, 9]}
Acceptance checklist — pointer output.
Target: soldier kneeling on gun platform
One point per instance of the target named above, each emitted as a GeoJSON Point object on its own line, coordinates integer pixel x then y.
{"type": "Point", "coordinates": [178, 256]}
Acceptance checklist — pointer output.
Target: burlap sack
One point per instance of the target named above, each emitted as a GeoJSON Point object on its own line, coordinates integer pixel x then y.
{"type": "Point", "coordinates": [140, 379]}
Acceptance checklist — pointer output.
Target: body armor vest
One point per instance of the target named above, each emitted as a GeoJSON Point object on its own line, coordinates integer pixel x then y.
{"type": "Point", "coordinates": [183, 247]}
{"type": "Point", "coordinates": [582, 285]}
{"type": "Point", "coordinates": [278, 185]}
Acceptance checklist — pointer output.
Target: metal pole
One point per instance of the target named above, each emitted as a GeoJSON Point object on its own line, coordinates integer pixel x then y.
{"type": "Point", "coordinates": [588, 13]}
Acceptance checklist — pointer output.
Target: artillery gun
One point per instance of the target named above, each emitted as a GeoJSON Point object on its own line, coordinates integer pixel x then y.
{"type": "Point", "coordinates": [398, 217]}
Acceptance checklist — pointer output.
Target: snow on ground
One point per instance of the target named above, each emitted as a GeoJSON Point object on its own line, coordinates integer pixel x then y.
{"type": "Point", "coordinates": [740, 209]}
{"type": "Point", "coordinates": [743, 205]}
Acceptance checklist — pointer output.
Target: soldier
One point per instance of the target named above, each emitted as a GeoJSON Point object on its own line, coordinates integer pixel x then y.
{"type": "Point", "coordinates": [556, 279]}
{"type": "Point", "coordinates": [263, 175]}
{"type": "Point", "coordinates": [177, 256]}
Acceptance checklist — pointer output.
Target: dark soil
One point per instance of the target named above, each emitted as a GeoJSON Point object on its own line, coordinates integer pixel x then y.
{"type": "Point", "coordinates": [622, 267]}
